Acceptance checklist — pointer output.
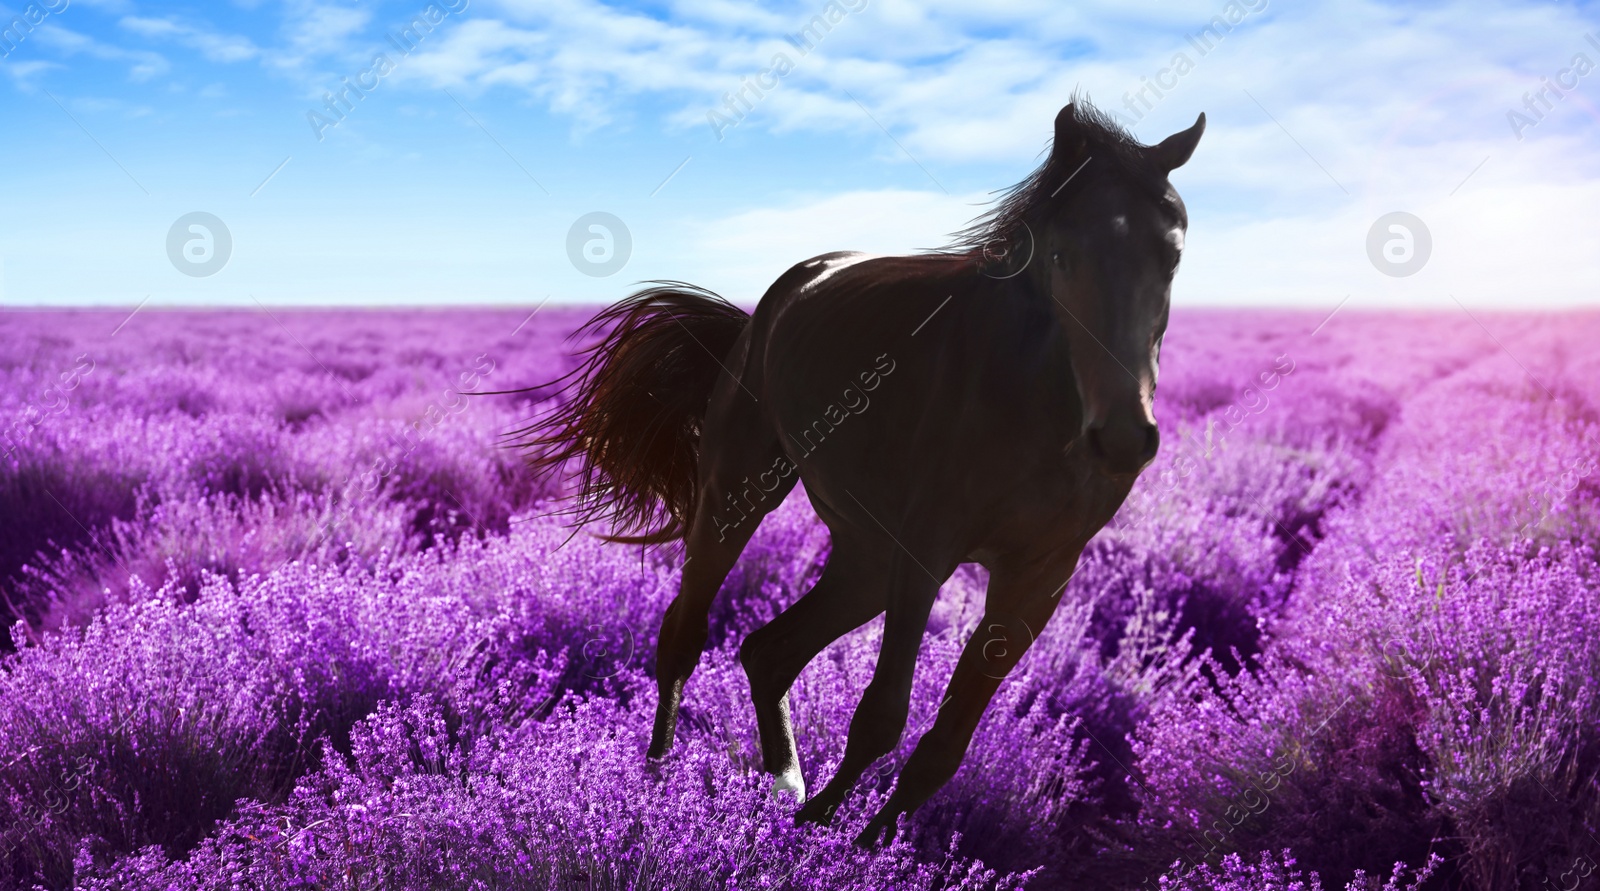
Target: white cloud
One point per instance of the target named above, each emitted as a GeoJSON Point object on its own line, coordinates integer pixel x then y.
{"type": "Point", "coordinates": [316, 31]}
{"type": "Point", "coordinates": [580, 58]}
{"type": "Point", "coordinates": [144, 63]}
{"type": "Point", "coordinates": [957, 82]}
{"type": "Point", "coordinates": [25, 74]}
{"type": "Point", "coordinates": [744, 252]}
{"type": "Point", "coordinates": [212, 46]}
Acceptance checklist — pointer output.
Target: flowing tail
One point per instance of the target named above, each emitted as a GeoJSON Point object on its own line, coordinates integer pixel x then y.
{"type": "Point", "coordinates": [634, 409]}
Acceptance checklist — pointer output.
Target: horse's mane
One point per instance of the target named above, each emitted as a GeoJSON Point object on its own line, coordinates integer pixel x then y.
{"type": "Point", "coordinates": [1104, 140]}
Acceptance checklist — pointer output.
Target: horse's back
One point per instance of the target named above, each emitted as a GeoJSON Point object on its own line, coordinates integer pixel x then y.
{"type": "Point", "coordinates": [906, 382]}
{"type": "Point", "coordinates": [831, 317]}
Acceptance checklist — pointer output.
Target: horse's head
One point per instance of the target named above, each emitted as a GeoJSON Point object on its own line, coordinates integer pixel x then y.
{"type": "Point", "coordinates": [1105, 246]}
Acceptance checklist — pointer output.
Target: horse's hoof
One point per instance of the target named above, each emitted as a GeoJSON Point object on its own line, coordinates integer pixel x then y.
{"type": "Point", "coordinates": [792, 783]}
{"type": "Point", "coordinates": [876, 831]}
{"type": "Point", "coordinates": [815, 812]}
{"type": "Point", "coordinates": [654, 763]}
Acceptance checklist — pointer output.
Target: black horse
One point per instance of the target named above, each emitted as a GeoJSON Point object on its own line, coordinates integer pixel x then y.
{"type": "Point", "coordinates": [990, 402]}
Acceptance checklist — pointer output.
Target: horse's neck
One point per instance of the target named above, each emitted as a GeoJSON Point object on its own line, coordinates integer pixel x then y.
{"type": "Point", "coordinates": [1015, 318]}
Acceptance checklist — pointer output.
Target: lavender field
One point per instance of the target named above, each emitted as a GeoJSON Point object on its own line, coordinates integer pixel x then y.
{"type": "Point", "coordinates": [286, 613]}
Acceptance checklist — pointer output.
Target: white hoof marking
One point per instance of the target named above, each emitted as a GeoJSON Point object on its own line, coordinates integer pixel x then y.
{"type": "Point", "coordinates": [792, 782]}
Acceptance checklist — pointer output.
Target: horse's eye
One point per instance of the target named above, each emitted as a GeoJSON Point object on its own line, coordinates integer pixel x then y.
{"type": "Point", "coordinates": [1056, 259]}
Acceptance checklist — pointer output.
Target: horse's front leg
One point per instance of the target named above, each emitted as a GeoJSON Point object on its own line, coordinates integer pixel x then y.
{"type": "Point", "coordinates": [880, 717]}
{"type": "Point", "coordinates": [1017, 606]}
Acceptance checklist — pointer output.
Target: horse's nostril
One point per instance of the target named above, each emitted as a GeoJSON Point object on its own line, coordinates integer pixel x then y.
{"type": "Point", "coordinates": [1152, 442]}
{"type": "Point", "coordinates": [1124, 447]}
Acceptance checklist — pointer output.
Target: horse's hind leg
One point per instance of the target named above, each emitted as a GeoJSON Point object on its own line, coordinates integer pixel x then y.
{"type": "Point", "coordinates": [850, 593]}
{"type": "Point", "coordinates": [744, 475]}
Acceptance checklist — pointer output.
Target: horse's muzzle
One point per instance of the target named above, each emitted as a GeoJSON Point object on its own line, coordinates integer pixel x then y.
{"type": "Point", "coordinates": [1123, 447]}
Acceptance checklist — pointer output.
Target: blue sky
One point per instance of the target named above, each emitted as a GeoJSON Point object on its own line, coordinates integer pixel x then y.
{"type": "Point", "coordinates": [457, 171]}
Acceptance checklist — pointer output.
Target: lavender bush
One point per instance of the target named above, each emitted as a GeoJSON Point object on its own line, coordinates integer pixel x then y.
{"type": "Point", "coordinates": [285, 613]}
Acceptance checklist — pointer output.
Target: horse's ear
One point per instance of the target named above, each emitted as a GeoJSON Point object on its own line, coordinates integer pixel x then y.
{"type": "Point", "coordinates": [1069, 141]}
{"type": "Point", "coordinates": [1171, 153]}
